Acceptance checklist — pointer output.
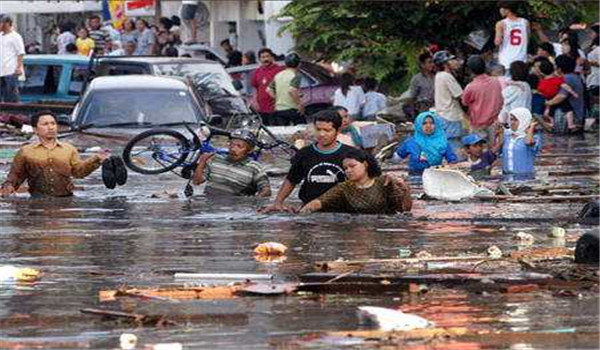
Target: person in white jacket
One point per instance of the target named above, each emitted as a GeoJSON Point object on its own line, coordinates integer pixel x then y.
{"type": "Point", "coordinates": [349, 96]}
{"type": "Point", "coordinates": [517, 92]}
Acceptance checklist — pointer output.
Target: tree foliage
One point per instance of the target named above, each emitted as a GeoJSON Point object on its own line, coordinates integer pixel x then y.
{"type": "Point", "coordinates": [383, 38]}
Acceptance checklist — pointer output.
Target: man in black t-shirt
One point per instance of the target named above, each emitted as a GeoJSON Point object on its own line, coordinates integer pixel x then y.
{"type": "Point", "coordinates": [318, 166]}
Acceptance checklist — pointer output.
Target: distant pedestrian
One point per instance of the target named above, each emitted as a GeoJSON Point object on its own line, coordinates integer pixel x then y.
{"type": "Point", "coordinates": [447, 97]}
{"type": "Point", "coordinates": [249, 57]}
{"type": "Point", "coordinates": [421, 89]}
{"type": "Point", "coordinates": [483, 97]}
{"type": "Point", "coordinates": [85, 44]}
{"type": "Point", "coordinates": [234, 57]}
{"type": "Point", "coordinates": [349, 133]}
{"type": "Point", "coordinates": [350, 96]}
{"type": "Point", "coordinates": [65, 38]}
{"type": "Point", "coordinates": [130, 48]}
{"type": "Point", "coordinates": [285, 89]}
{"type": "Point", "coordinates": [565, 66]}
{"type": "Point", "coordinates": [374, 101]}
{"type": "Point", "coordinates": [516, 92]}
{"type": "Point", "coordinates": [129, 33]}
{"type": "Point", "coordinates": [146, 41]}
{"type": "Point", "coordinates": [100, 35]}
{"type": "Point", "coordinates": [72, 49]}
{"type": "Point", "coordinates": [262, 77]}
{"type": "Point", "coordinates": [12, 51]}
{"type": "Point", "coordinates": [512, 35]}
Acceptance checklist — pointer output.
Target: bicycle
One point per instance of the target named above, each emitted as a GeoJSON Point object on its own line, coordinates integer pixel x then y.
{"type": "Point", "coordinates": [161, 150]}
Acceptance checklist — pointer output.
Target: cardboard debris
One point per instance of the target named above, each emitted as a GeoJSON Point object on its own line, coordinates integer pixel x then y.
{"type": "Point", "coordinates": [176, 293]}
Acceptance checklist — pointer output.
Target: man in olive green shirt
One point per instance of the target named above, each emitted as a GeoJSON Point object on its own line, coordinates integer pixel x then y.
{"type": "Point", "coordinates": [285, 89]}
{"type": "Point", "coordinates": [48, 164]}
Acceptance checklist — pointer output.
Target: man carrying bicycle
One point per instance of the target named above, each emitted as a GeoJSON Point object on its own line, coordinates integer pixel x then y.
{"type": "Point", "coordinates": [236, 173]}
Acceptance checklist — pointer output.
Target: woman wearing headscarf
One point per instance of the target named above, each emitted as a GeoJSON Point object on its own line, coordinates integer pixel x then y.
{"type": "Point", "coordinates": [519, 144]}
{"type": "Point", "coordinates": [428, 146]}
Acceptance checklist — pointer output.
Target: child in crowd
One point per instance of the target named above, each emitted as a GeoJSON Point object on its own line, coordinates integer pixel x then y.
{"type": "Point", "coordinates": [428, 147]}
{"type": "Point", "coordinates": [519, 144]}
{"type": "Point", "coordinates": [549, 87]}
{"type": "Point", "coordinates": [480, 160]}
{"type": "Point", "coordinates": [374, 101]}
{"type": "Point", "coordinates": [84, 44]}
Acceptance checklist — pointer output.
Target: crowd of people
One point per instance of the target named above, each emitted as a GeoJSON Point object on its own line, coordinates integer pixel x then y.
{"type": "Point", "coordinates": [135, 38]}
{"type": "Point", "coordinates": [495, 114]}
{"type": "Point", "coordinates": [505, 102]}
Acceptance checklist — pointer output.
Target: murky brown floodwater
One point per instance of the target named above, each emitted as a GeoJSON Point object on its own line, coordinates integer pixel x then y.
{"type": "Point", "coordinates": [101, 239]}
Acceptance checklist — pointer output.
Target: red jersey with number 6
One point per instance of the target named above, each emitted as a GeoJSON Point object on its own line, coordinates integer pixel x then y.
{"type": "Point", "coordinates": [514, 41]}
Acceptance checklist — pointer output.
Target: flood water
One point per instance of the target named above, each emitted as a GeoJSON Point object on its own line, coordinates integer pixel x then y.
{"type": "Point", "coordinates": [101, 239]}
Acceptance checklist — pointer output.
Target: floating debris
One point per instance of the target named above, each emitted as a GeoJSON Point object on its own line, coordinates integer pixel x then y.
{"type": "Point", "coordinates": [392, 320]}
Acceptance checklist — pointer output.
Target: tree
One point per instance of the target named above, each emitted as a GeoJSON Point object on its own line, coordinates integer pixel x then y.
{"type": "Point", "coordinates": [384, 38]}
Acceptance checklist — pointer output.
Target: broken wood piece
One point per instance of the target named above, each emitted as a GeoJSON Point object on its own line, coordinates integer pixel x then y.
{"type": "Point", "coordinates": [146, 320]}
{"type": "Point", "coordinates": [539, 254]}
{"type": "Point", "coordinates": [439, 278]}
{"type": "Point", "coordinates": [420, 334]}
{"type": "Point", "coordinates": [523, 288]}
{"type": "Point", "coordinates": [177, 293]}
{"type": "Point", "coordinates": [344, 265]}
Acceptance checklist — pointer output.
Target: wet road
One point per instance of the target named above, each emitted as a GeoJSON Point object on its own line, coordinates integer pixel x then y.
{"type": "Point", "coordinates": [101, 239]}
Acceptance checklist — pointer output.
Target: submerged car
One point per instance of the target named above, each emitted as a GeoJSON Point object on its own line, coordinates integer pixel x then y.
{"type": "Point", "coordinates": [317, 85]}
{"type": "Point", "coordinates": [209, 78]}
{"type": "Point", "coordinates": [114, 109]}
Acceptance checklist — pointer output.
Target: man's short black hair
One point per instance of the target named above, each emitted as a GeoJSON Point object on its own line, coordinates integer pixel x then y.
{"type": "Point", "coordinates": [510, 5]}
{"type": "Point", "coordinates": [476, 64]}
{"type": "Point", "coordinates": [370, 84]}
{"type": "Point", "coordinates": [36, 117]}
{"type": "Point", "coordinates": [71, 48]}
{"type": "Point", "coordinates": [565, 63]}
{"type": "Point", "coordinates": [6, 19]}
{"type": "Point", "coordinates": [266, 50]}
{"type": "Point", "coordinates": [549, 48]}
{"type": "Point", "coordinates": [518, 71]}
{"type": "Point", "coordinates": [546, 67]}
{"type": "Point", "coordinates": [93, 17]}
{"type": "Point", "coordinates": [329, 116]}
{"type": "Point", "coordinates": [225, 41]}
{"type": "Point", "coordinates": [424, 57]}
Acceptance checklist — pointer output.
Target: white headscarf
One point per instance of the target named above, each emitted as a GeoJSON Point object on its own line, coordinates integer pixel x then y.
{"type": "Point", "coordinates": [524, 117]}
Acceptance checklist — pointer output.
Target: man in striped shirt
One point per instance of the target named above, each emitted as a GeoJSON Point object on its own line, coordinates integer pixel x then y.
{"type": "Point", "coordinates": [233, 174]}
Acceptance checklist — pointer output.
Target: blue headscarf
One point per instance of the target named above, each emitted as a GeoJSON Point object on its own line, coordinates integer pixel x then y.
{"type": "Point", "coordinates": [434, 145]}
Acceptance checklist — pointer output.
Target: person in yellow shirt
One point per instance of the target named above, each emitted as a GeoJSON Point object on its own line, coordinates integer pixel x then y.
{"type": "Point", "coordinates": [84, 43]}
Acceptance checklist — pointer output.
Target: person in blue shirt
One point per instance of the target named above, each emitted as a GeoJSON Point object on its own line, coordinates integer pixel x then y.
{"type": "Point", "coordinates": [428, 146]}
{"type": "Point", "coordinates": [480, 160]}
{"type": "Point", "coordinates": [520, 145]}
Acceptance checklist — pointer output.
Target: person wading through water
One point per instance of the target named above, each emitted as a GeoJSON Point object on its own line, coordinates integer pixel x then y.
{"type": "Point", "coordinates": [366, 191]}
{"type": "Point", "coordinates": [318, 167]}
{"type": "Point", "coordinates": [48, 164]}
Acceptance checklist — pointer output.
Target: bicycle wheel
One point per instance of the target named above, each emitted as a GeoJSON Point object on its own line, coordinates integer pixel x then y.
{"type": "Point", "coordinates": [156, 151]}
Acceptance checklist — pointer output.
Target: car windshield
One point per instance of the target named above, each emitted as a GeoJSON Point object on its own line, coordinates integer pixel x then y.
{"type": "Point", "coordinates": [141, 107]}
{"type": "Point", "coordinates": [210, 79]}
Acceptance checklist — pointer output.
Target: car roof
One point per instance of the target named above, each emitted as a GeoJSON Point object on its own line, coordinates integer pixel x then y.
{"type": "Point", "coordinates": [155, 59]}
{"type": "Point", "coordinates": [121, 82]}
{"type": "Point", "coordinates": [58, 58]}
